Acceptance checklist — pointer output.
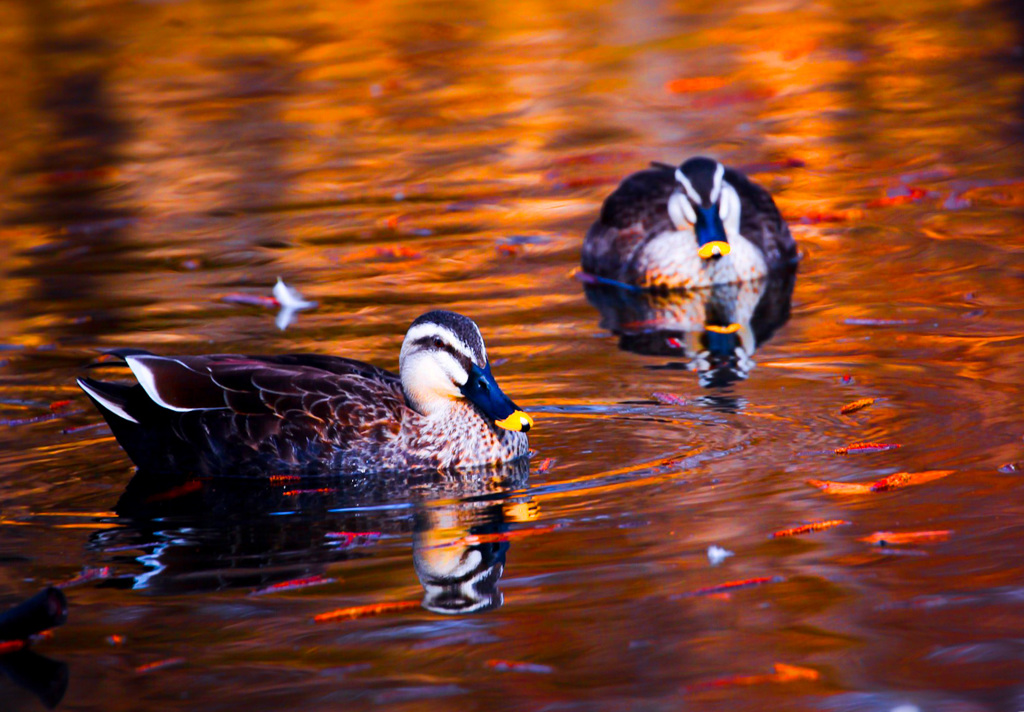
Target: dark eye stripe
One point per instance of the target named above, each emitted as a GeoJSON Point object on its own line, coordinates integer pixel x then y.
{"type": "Point", "coordinates": [427, 343]}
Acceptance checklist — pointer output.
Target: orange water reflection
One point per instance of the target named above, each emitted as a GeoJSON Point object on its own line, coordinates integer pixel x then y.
{"type": "Point", "coordinates": [391, 157]}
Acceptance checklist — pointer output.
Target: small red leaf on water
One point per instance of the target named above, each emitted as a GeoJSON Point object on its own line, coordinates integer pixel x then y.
{"type": "Point", "coordinates": [866, 447]}
{"type": "Point", "coordinates": [58, 405]}
{"type": "Point", "coordinates": [11, 646]}
{"type": "Point", "coordinates": [905, 479]}
{"type": "Point", "coordinates": [374, 609]}
{"type": "Point", "coordinates": [892, 482]}
{"type": "Point", "coordinates": [809, 528]}
{"type": "Point", "coordinates": [88, 575]}
{"type": "Point", "coordinates": [856, 405]}
{"type": "Point", "coordinates": [546, 465]}
{"type": "Point", "coordinates": [896, 538]}
{"type": "Point", "coordinates": [840, 487]}
{"type": "Point", "coordinates": [912, 195]}
{"type": "Point", "coordinates": [733, 585]}
{"type": "Point", "coordinates": [158, 665]}
{"type": "Point", "coordinates": [292, 585]}
{"type": "Point", "coordinates": [783, 673]}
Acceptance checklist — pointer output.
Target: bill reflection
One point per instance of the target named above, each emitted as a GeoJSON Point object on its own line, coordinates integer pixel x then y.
{"type": "Point", "coordinates": [713, 332]}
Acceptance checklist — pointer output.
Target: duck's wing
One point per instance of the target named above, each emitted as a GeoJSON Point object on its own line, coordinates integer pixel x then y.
{"type": "Point", "coordinates": [322, 388]}
{"type": "Point", "coordinates": [286, 406]}
{"type": "Point", "coordinates": [636, 211]}
{"type": "Point", "coordinates": [761, 222]}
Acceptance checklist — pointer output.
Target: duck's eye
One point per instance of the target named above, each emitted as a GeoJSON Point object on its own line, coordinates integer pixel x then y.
{"type": "Point", "coordinates": [437, 342]}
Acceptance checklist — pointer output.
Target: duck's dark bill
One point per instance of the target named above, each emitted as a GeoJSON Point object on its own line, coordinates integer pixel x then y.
{"type": "Point", "coordinates": [483, 392]}
{"type": "Point", "coordinates": [711, 241]}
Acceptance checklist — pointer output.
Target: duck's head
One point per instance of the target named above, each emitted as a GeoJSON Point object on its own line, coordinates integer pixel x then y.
{"type": "Point", "coordinates": [705, 203]}
{"type": "Point", "coordinates": [444, 360]}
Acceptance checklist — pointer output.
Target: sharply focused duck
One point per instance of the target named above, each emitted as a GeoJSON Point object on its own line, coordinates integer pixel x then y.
{"type": "Point", "coordinates": [688, 227]}
{"type": "Point", "coordinates": [312, 414]}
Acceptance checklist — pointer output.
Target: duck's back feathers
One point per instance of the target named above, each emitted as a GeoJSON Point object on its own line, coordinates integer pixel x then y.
{"type": "Point", "coordinates": [276, 412]}
{"type": "Point", "coordinates": [635, 212]}
{"type": "Point", "coordinates": [761, 222]}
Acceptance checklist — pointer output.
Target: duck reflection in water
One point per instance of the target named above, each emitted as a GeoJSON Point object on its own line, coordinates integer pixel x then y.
{"type": "Point", "coordinates": [221, 533]}
{"type": "Point", "coordinates": [715, 330]}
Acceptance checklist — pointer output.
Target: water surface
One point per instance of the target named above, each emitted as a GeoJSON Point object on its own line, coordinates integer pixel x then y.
{"type": "Point", "coordinates": [388, 158]}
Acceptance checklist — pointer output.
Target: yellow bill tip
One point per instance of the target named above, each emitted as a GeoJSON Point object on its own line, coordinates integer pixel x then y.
{"type": "Point", "coordinates": [714, 249]}
{"type": "Point", "coordinates": [517, 421]}
{"type": "Point", "coordinates": [731, 329]}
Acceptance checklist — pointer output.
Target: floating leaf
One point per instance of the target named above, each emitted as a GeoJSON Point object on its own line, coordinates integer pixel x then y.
{"type": "Point", "coordinates": [733, 585]}
{"type": "Point", "coordinates": [866, 447]}
{"type": "Point", "coordinates": [905, 479]}
{"type": "Point", "coordinates": [892, 482]}
{"type": "Point", "coordinates": [159, 665]}
{"type": "Point", "coordinates": [809, 528]}
{"type": "Point", "coordinates": [897, 538]}
{"type": "Point", "coordinates": [783, 673]}
{"type": "Point", "coordinates": [374, 609]}
{"type": "Point", "coordinates": [292, 585]}
{"type": "Point", "coordinates": [858, 404]}
{"type": "Point", "coordinates": [87, 576]}
{"type": "Point", "coordinates": [840, 487]}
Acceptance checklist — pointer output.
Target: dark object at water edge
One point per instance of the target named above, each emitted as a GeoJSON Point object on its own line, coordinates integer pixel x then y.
{"type": "Point", "coordinates": [46, 609]}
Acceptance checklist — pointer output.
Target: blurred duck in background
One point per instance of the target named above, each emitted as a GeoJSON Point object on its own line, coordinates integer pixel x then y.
{"type": "Point", "coordinates": [687, 227]}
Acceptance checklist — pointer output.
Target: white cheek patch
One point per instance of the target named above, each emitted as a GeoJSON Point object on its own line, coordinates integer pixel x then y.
{"type": "Point", "coordinates": [452, 368]}
{"type": "Point", "coordinates": [729, 210]}
{"type": "Point", "coordinates": [681, 211]}
{"type": "Point", "coordinates": [431, 379]}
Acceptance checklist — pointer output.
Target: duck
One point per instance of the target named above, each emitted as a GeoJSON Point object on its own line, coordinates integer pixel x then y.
{"type": "Point", "coordinates": [686, 227]}
{"type": "Point", "coordinates": [312, 414]}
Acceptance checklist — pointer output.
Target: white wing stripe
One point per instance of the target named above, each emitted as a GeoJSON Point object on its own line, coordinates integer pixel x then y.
{"type": "Point", "coordinates": [148, 381]}
{"type": "Point", "coordinates": [105, 402]}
